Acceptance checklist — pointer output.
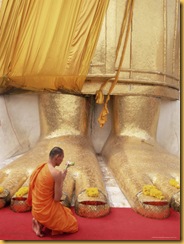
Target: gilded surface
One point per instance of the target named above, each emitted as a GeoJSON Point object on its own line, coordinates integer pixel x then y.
{"type": "Point", "coordinates": [150, 71]}
{"type": "Point", "coordinates": [56, 120]}
{"type": "Point", "coordinates": [152, 53]}
{"type": "Point", "coordinates": [68, 131]}
{"type": "Point", "coordinates": [136, 159]}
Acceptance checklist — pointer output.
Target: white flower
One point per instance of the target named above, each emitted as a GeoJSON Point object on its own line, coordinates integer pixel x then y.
{"type": "Point", "coordinates": [69, 163]}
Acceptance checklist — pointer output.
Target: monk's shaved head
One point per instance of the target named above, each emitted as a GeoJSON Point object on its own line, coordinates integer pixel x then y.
{"type": "Point", "coordinates": [56, 151]}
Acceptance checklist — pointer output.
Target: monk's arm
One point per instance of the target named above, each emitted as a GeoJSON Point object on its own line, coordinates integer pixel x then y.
{"type": "Point", "coordinates": [59, 178]}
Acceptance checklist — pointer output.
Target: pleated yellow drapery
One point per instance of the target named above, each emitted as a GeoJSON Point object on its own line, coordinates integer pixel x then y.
{"type": "Point", "coordinates": [46, 44]}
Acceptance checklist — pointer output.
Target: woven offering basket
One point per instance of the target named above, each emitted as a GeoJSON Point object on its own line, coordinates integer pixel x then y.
{"type": "Point", "coordinates": [19, 204]}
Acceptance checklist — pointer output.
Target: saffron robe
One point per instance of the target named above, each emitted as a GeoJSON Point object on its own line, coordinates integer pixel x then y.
{"type": "Point", "coordinates": [50, 213]}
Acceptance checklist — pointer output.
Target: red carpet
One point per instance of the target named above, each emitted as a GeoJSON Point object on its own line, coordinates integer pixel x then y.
{"type": "Point", "coordinates": [120, 224]}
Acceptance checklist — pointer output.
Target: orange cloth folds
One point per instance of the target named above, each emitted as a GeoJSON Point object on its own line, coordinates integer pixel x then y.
{"type": "Point", "coordinates": [48, 212]}
{"type": "Point", "coordinates": [48, 44]}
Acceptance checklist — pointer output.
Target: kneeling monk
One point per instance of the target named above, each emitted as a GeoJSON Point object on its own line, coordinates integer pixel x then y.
{"type": "Point", "coordinates": [45, 191]}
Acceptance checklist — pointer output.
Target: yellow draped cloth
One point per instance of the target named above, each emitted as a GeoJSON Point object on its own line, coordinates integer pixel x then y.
{"type": "Point", "coordinates": [48, 212]}
{"type": "Point", "coordinates": [46, 44]}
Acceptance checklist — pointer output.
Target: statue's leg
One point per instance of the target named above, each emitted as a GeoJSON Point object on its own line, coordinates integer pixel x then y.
{"type": "Point", "coordinates": [137, 160]}
{"type": "Point", "coordinates": [64, 122]}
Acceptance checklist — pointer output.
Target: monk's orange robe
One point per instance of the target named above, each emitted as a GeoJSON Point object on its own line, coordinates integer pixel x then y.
{"type": "Point", "coordinates": [50, 213]}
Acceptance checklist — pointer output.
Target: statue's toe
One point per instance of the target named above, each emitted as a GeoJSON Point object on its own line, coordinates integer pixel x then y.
{"type": "Point", "coordinates": [152, 207]}
{"type": "Point", "coordinates": [91, 206]}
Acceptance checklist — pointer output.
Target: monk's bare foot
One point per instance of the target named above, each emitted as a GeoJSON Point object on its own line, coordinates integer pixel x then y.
{"type": "Point", "coordinates": [37, 228]}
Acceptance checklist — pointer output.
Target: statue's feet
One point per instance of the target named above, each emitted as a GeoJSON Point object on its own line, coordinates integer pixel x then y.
{"type": "Point", "coordinates": [145, 173]}
{"type": "Point", "coordinates": [64, 123]}
{"type": "Point", "coordinates": [84, 174]}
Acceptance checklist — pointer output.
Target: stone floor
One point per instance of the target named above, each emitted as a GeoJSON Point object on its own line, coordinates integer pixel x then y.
{"type": "Point", "coordinates": [115, 196]}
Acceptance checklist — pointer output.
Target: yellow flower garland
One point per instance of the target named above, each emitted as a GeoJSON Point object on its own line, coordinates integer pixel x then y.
{"type": "Point", "coordinates": [92, 192]}
{"type": "Point", "coordinates": [1, 189]}
{"type": "Point", "coordinates": [174, 183]}
{"type": "Point", "coordinates": [22, 191]}
{"type": "Point", "coordinates": [150, 190]}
